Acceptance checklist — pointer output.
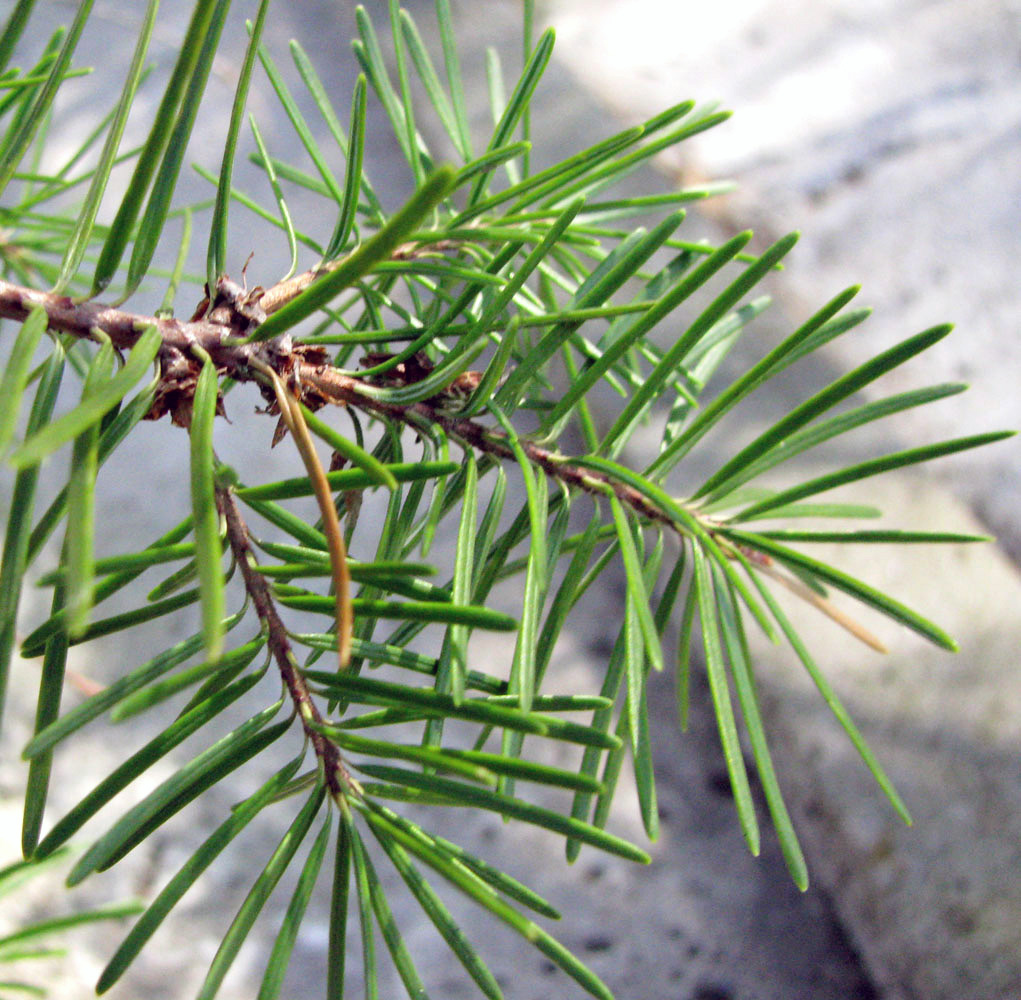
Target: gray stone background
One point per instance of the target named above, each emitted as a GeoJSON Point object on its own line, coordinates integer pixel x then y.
{"type": "Point", "coordinates": [888, 133]}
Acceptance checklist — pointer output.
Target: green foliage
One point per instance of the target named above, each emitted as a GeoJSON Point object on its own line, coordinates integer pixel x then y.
{"type": "Point", "coordinates": [34, 940]}
{"type": "Point", "coordinates": [539, 279]}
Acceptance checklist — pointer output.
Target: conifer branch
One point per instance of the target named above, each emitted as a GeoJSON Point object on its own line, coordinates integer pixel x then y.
{"type": "Point", "coordinates": [518, 269]}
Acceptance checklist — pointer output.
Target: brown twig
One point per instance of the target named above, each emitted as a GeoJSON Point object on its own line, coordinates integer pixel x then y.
{"type": "Point", "coordinates": [337, 387]}
{"type": "Point", "coordinates": [338, 781]}
{"type": "Point", "coordinates": [219, 333]}
{"type": "Point", "coordinates": [220, 327]}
